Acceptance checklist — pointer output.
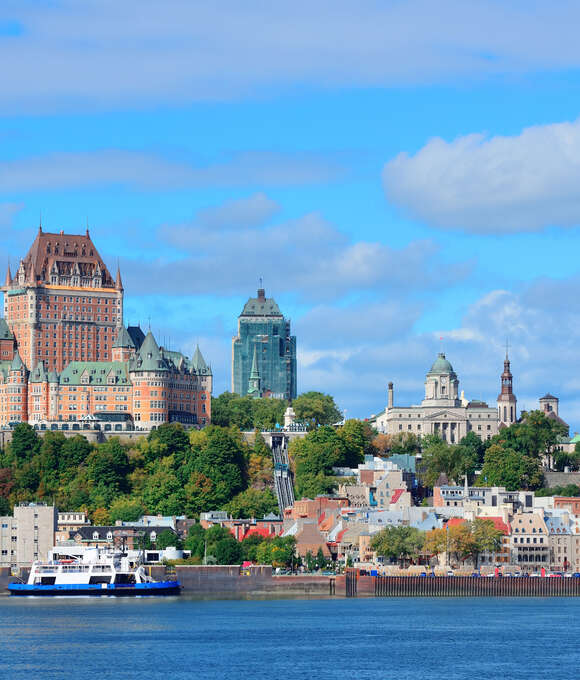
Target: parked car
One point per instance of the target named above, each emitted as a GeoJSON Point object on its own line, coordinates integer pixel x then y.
{"type": "Point", "coordinates": [450, 573]}
{"type": "Point", "coordinates": [535, 575]}
{"type": "Point", "coordinates": [475, 574]}
{"type": "Point", "coordinates": [576, 574]}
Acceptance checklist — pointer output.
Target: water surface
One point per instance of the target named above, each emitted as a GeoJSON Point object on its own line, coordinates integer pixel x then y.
{"type": "Point", "coordinates": [174, 638]}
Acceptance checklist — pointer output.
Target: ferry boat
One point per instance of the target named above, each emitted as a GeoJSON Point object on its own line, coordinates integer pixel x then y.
{"type": "Point", "coordinates": [94, 572]}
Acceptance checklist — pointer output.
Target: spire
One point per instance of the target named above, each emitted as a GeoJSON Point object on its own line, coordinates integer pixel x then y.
{"type": "Point", "coordinates": [197, 361]}
{"type": "Point", "coordinates": [8, 281]}
{"type": "Point", "coordinates": [118, 282]}
{"type": "Point", "coordinates": [124, 340]}
{"type": "Point", "coordinates": [254, 373]}
{"type": "Point", "coordinates": [254, 381]}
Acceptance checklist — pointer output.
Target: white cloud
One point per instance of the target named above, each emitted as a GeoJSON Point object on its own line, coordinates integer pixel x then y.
{"type": "Point", "coordinates": [7, 213]}
{"type": "Point", "coordinates": [148, 171]}
{"type": "Point", "coordinates": [252, 211]}
{"type": "Point", "coordinates": [103, 52]}
{"type": "Point", "coordinates": [492, 185]}
{"type": "Point", "coordinates": [308, 257]}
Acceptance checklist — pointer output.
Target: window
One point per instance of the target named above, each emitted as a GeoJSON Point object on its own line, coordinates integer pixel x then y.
{"type": "Point", "coordinates": [95, 535]}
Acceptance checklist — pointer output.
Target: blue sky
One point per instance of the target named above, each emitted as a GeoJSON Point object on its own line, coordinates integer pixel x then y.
{"type": "Point", "coordinates": [397, 172]}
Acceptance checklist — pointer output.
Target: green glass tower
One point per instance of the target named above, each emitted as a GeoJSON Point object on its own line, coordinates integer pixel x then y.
{"type": "Point", "coordinates": [264, 352]}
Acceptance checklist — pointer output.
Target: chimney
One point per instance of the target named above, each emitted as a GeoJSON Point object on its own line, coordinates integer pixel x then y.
{"type": "Point", "coordinates": [261, 295]}
{"type": "Point", "coordinates": [390, 396]}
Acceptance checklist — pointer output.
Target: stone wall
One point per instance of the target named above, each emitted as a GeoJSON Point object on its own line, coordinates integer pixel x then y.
{"type": "Point", "coordinates": [224, 580]}
{"type": "Point", "coordinates": [561, 478]}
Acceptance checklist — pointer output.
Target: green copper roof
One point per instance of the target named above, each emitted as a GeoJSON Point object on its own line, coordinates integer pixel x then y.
{"type": "Point", "coordinates": [38, 375]}
{"type": "Point", "coordinates": [5, 368]}
{"type": "Point", "coordinates": [261, 306]}
{"type": "Point", "coordinates": [95, 373]}
{"type": "Point", "coordinates": [149, 357]}
{"type": "Point", "coordinates": [198, 362]}
{"type": "Point", "coordinates": [5, 332]}
{"type": "Point", "coordinates": [17, 364]}
{"type": "Point", "coordinates": [124, 339]}
{"type": "Point", "coordinates": [53, 377]}
{"type": "Point", "coordinates": [441, 365]}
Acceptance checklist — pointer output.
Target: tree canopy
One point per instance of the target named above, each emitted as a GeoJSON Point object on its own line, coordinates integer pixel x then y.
{"type": "Point", "coordinates": [398, 542]}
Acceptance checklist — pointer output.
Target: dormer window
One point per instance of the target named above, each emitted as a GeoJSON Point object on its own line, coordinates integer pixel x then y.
{"type": "Point", "coordinates": [95, 535]}
{"type": "Point", "coordinates": [109, 535]}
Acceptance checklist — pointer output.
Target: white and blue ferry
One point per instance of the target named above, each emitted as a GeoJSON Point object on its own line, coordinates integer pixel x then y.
{"type": "Point", "coordinates": [95, 572]}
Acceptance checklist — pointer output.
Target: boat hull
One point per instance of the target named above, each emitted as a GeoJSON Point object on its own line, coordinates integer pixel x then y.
{"type": "Point", "coordinates": [97, 589]}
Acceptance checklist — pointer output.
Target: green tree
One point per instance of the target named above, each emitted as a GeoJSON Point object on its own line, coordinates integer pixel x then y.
{"type": "Point", "coordinates": [222, 460]}
{"type": "Point", "coordinates": [511, 468]}
{"type": "Point", "coordinates": [316, 409]}
{"type": "Point", "coordinates": [195, 541]}
{"type": "Point", "coordinates": [451, 460]}
{"type": "Point", "coordinates": [357, 437]}
{"type": "Point", "coordinates": [25, 443]}
{"type": "Point", "coordinates": [227, 551]}
{"type": "Point", "coordinates": [172, 440]}
{"type": "Point", "coordinates": [486, 538]}
{"type": "Point", "coordinates": [166, 539]}
{"type": "Point", "coordinates": [73, 452]}
{"type": "Point", "coordinates": [126, 509]}
{"type": "Point", "coordinates": [252, 503]}
{"type": "Point", "coordinates": [405, 443]}
{"type": "Point", "coordinates": [250, 547]}
{"type": "Point", "coordinates": [314, 456]}
{"type": "Point", "coordinates": [398, 542]}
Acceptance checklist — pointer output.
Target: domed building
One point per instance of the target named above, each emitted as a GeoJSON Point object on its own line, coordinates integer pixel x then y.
{"type": "Point", "coordinates": [443, 411]}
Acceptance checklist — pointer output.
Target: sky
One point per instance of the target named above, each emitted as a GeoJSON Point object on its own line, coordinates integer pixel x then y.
{"type": "Point", "coordinates": [404, 176]}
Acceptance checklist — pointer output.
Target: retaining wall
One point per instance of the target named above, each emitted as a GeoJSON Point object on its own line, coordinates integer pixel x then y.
{"type": "Point", "coordinates": [352, 584]}
{"type": "Point", "coordinates": [224, 580]}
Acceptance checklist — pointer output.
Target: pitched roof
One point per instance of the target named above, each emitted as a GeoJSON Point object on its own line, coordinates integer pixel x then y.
{"type": "Point", "coordinates": [97, 372]}
{"type": "Point", "coordinates": [61, 252]}
{"type": "Point", "coordinates": [17, 364]}
{"type": "Point", "coordinates": [124, 339]}
{"type": "Point", "coordinates": [5, 332]}
{"type": "Point", "coordinates": [149, 357]}
{"type": "Point", "coordinates": [197, 361]}
{"type": "Point", "coordinates": [261, 306]}
{"type": "Point", "coordinates": [38, 375]}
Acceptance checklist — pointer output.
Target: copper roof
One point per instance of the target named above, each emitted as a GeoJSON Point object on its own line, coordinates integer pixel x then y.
{"type": "Point", "coordinates": [64, 251]}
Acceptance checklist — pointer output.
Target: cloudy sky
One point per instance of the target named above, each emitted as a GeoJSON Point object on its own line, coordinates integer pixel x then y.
{"type": "Point", "coordinates": [397, 172]}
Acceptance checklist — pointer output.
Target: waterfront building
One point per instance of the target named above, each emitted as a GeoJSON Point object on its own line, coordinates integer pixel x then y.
{"type": "Point", "coordinates": [66, 357]}
{"type": "Point", "coordinates": [264, 351]}
{"type": "Point", "coordinates": [529, 544]}
{"type": "Point", "coordinates": [28, 535]}
{"type": "Point", "coordinates": [442, 412]}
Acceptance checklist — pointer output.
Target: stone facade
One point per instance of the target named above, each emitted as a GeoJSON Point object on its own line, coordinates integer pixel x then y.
{"type": "Point", "coordinates": [442, 412]}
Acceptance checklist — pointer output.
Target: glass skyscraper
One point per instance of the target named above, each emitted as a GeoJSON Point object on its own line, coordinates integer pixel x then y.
{"type": "Point", "coordinates": [264, 352]}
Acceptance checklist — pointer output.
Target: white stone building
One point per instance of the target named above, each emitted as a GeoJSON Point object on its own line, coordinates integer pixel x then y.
{"type": "Point", "coordinates": [442, 412]}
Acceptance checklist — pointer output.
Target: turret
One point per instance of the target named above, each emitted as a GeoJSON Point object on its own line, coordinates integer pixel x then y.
{"type": "Point", "coordinates": [506, 401]}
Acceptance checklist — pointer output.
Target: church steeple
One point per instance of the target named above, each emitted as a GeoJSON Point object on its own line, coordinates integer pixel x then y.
{"type": "Point", "coordinates": [506, 401]}
{"type": "Point", "coordinates": [254, 381]}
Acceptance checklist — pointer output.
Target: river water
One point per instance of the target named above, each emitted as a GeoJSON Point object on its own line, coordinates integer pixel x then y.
{"type": "Point", "coordinates": [366, 639]}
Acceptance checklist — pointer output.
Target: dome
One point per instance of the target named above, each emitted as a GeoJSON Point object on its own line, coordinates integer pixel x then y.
{"type": "Point", "coordinates": [441, 365]}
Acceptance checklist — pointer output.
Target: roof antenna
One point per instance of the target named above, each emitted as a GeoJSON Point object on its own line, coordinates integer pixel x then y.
{"type": "Point", "coordinates": [88, 227]}
{"type": "Point", "coordinates": [440, 344]}
{"type": "Point", "coordinates": [40, 223]}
